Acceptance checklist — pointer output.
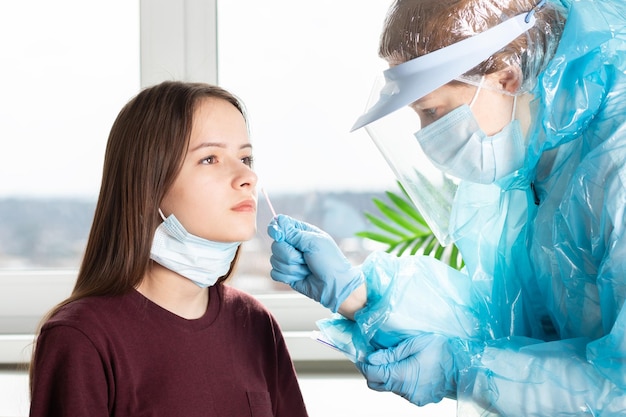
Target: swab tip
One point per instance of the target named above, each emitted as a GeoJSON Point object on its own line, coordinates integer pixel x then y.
{"type": "Point", "coordinates": [269, 203]}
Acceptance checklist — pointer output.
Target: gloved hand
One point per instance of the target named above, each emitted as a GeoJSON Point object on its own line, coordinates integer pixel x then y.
{"type": "Point", "coordinates": [310, 261]}
{"type": "Point", "coordinates": [420, 369]}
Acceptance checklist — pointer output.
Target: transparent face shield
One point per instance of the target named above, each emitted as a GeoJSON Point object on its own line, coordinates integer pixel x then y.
{"type": "Point", "coordinates": [430, 190]}
{"type": "Point", "coordinates": [391, 124]}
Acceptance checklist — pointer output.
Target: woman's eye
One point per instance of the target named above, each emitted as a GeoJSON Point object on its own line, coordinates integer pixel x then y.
{"type": "Point", "coordinates": [209, 160]}
{"type": "Point", "coordinates": [248, 160]}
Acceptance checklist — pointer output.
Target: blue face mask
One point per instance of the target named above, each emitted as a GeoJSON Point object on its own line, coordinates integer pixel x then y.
{"type": "Point", "coordinates": [200, 260]}
{"type": "Point", "coordinates": [458, 146]}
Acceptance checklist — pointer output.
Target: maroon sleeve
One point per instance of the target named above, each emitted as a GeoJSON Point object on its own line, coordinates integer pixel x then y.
{"type": "Point", "coordinates": [69, 378]}
{"type": "Point", "coordinates": [289, 397]}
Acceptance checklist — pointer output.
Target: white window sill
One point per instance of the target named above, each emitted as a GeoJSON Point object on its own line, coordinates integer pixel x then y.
{"type": "Point", "coordinates": [25, 296]}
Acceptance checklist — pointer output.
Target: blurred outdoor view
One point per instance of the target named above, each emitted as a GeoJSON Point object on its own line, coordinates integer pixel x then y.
{"type": "Point", "coordinates": [52, 233]}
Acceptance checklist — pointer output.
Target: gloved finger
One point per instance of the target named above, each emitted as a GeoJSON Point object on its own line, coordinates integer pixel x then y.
{"type": "Point", "coordinates": [377, 386]}
{"type": "Point", "coordinates": [286, 222]}
{"type": "Point", "coordinates": [374, 374]}
{"type": "Point", "coordinates": [285, 253]}
{"type": "Point", "coordinates": [401, 378]}
{"type": "Point", "coordinates": [403, 350]}
{"type": "Point", "coordinates": [287, 278]}
{"type": "Point", "coordinates": [297, 270]}
{"type": "Point", "coordinates": [274, 231]}
{"type": "Point", "coordinates": [304, 287]}
{"type": "Point", "coordinates": [282, 225]}
{"type": "Point", "coordinates": [302, 235]}
{"type": "Point", "coordinates": [373, 382]}
{"type": "Point", "coordinates": [289, 273]}
{"type": "Point", "coordinates": [287, 264]}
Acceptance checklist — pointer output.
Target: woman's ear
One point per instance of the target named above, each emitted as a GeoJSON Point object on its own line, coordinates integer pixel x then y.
{"type": "Point", "coordinates": [509, 79]}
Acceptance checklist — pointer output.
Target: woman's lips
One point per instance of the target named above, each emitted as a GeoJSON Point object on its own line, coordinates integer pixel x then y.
{"type": "Point", "coordinates": [247, 205]}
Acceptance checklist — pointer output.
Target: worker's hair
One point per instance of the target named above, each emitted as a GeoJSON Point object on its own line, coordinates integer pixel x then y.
{"type": "Point", "coordinates": [414, 28]}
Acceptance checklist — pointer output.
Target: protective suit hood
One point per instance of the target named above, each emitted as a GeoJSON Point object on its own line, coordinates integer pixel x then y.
{"type": "Point", "coordinates": [571, 90]}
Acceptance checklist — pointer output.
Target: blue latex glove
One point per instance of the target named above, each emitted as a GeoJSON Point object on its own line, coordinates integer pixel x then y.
{"type": "Point", "coordinates": [310, 261]}
{"type": "Point", "coordinates": [420, 369]}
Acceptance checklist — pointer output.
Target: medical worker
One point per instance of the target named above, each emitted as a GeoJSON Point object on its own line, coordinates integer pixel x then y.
{"type": "Point", "coordinates": [519, 107]}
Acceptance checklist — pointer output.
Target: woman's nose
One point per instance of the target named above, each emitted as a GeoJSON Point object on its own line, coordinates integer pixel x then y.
{"type": "Point", "coordinates": [246, 177]}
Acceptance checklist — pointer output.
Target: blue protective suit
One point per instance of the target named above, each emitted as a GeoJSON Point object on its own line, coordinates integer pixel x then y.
{"type": "Point", "coordinates": [536, 321]}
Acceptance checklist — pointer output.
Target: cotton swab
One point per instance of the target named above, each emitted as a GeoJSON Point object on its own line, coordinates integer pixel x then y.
{"type": "Point", "coordinates": [269, 203]}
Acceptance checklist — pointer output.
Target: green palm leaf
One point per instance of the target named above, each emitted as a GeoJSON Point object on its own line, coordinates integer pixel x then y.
{"type": "Point", "coordinates": [407, 207]}
{"type": "Point", "coordinates": [403, 229]}
{"type": "Point", "coordinates": [386, 227]}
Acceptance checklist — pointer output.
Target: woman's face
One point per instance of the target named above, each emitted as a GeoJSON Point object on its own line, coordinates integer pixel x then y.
{"type": "Point", "coordinates": [214, 195]}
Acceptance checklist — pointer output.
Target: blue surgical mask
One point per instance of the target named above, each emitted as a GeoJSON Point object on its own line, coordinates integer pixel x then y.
{"type": "Point", "coordinates": [200, 260]}
{"type": "Point", "coordinates": [459, 147]}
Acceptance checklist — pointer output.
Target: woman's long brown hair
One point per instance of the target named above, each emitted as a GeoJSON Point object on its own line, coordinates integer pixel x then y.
{"type": "Point", "coordinates": [145, 151]}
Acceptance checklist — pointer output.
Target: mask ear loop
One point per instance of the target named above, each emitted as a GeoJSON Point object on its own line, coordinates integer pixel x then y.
{"type": "Point", "coordinates": [480, 85]}
{"type": "Point", "coordinates": [514, 108]}
{"type": "Point", "coordinates": [162, 215]}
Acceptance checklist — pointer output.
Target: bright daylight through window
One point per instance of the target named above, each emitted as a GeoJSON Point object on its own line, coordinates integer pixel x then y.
{"type": "Point", "coordinates": [68, 71]}
{"type": "Point", "coordinates": [304, 71]}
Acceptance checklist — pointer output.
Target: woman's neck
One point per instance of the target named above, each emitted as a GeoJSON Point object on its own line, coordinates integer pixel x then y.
{"type": "Point", "coordinates": [174, 292]}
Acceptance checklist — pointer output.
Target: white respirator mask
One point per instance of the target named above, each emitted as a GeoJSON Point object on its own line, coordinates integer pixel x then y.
{"type": "Point", "coordinates": [200, 260]}
{"type": "Point", "coordinates": [459, 147]}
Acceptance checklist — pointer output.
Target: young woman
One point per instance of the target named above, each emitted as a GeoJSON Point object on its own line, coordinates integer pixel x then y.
{"type": "Point", "coordinates": [149, 328]}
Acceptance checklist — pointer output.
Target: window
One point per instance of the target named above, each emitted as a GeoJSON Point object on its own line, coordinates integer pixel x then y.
{"type": "Point", "coordinates": [304, 72]}
{"type": "Point", "coordinates": [68, 68]}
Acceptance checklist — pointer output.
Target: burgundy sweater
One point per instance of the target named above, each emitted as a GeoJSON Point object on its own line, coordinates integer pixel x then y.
{"type": "Point", "coordinates": [126, 356]}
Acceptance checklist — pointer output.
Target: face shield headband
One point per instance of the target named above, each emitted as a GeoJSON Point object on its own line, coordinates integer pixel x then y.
{"type": "Point", "coordinates": [411, 80]}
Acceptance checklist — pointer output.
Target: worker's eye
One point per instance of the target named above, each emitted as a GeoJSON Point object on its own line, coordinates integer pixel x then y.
{"type": "Point", "coordinates": [432, 113]}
